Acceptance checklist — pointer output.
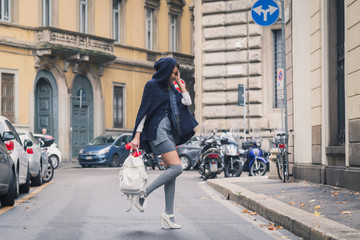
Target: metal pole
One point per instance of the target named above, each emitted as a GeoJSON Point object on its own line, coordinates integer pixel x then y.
{"type": "Point", "coordinates": [285, 86]}
{"type": "Point", "coordinates": [245, 125]}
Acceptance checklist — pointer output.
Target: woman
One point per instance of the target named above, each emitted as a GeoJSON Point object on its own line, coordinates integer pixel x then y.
{"type": "Point", "coordinates": [164, 121]}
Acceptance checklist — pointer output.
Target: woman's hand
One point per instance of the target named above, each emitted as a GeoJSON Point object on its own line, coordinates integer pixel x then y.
{"type": "Point", "coordinates": [135, 143]}
{"type": "Point", "coordinates": [180, 83]}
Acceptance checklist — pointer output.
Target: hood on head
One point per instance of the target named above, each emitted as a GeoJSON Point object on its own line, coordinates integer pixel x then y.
{"type": "Point", "coordinates": [164, 68]}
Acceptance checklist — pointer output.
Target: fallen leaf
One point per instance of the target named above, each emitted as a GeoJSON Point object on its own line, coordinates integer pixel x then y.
{"type": "Point", "coordinates": [292, 203]}
{"type": "Point", "coordinates": [271, 227]}
{"type": "Point", "coordinates": [317, 207]}
{"type": "Point", "coordinates": [245, 211]}
{"type": "Point", "coordinates": [253, 213]}
{"type": "Point", "coordinates": [342, 202]}
{"type": "Point", "coordinates": [346, 212]}
{"type": "Point", "coordinates": [302, 205]}
{"type": "Point", "coordinates": [317, 214]}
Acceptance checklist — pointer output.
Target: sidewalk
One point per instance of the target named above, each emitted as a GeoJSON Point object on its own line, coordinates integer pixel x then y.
{"type": "Point", "coordinates": [308, 210]}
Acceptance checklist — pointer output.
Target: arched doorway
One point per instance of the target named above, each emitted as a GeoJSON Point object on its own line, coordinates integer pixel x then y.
{"type": "Point", "coordinates": [82, 113]}
{"type": "Point", "coordinates": [46, 104]}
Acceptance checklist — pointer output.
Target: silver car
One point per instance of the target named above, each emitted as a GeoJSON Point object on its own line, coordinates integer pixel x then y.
{"type": "Point", "coordinates": [38, 158]}
{"type": "Point", "coordinates": [18, 155]}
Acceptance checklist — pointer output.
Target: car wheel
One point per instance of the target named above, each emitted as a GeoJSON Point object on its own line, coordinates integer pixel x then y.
{"type": "Point", "coordinates": [49, 172]}
{"type": "Point", "coordinates": [37, 181]}
{"type": "Point", "coordinates": [25, 188]}
{"type": "Point", "coordinates": [9, 198]}
{"type": "Point", "coordinates": [185, 162]}
{"type": "Point", "coordinates": [54, 160]}
{"type": "Point", "coordinates": [17, 186]}
{"type": "Point", "coordinates": [115, 161]}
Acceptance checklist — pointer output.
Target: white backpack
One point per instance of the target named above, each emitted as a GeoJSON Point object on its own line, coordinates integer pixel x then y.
{"type": "Point", "coordinates": [133, 177]}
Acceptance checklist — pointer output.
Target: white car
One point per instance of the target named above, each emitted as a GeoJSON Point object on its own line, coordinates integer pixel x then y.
{"type": "Point", "coordinates": [17, 153]}
{"type": "Point", "coordinates": [52, 149]}
{"type": "Point", "coordinates": [38, 158]}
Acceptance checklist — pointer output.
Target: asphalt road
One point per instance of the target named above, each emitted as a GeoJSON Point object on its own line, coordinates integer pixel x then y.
{"type": "Point", "coordinates": [86, 204]}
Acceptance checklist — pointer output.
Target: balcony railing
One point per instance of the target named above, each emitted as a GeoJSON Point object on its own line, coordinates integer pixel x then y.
{"type": "Point", "coordinates": [62, 42]}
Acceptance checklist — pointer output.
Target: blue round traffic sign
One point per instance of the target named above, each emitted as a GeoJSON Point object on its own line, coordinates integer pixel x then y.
{"type": "Point", "coordinates": [265, 12]}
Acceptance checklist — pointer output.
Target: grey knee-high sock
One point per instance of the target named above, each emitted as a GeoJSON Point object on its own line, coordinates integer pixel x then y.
{"type": "Point", "coordinates": [169, 174]}
{"type": "Point", "coordinates": [169, 189]}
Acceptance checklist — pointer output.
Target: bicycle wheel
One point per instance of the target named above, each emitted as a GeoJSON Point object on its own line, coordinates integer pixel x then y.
{"type": "Point", "coordinates": [285, 172]}
{"type": "Point", "coordinates": [279, 166]}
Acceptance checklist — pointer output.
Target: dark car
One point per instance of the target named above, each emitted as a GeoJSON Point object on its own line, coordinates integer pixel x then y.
{"type": "Point", "coordinates": [7, 177]}
{"type": "Point", "coordinates": [105, 150]}
{"type": "Point", "coordinates": [189, 152]}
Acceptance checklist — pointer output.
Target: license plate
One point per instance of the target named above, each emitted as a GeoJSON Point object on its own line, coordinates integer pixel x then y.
{"type": "Point", "coordinates": [213, 167]}
{"type": "Point", "coordinates": [88, 157]}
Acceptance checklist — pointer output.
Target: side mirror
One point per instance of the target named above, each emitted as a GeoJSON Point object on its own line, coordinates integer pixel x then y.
{"type": "Point", "coordinates": [27, 143]}
{"type": "Point", "coordinates": [7, 136]}
{"type": "Point", "coordinates": [41, 143]}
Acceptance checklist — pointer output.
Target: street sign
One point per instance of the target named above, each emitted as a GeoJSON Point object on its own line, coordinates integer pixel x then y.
{"type": "Point", "coordinates": [280, 78]}
{"type": "Point", "coordinates": [241, 95]}
{"type": "Point", "coordinates": [265, 12]}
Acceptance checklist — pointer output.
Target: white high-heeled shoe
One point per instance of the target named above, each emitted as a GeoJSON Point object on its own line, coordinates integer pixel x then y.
{"type": "Point", "coordinates": [137, 204]}
{"type": "Point", "coordinates": [166, 218]}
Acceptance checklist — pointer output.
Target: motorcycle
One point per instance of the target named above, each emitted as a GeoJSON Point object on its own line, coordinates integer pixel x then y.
{"type": "Point", "coordinates": [256, 160]}
{"type": "Point", "coordinates": [210, 162]}
{"type": "Point", "coordinates": [151, 160]}
{"type": "Point", "coordinates": [233, 166]}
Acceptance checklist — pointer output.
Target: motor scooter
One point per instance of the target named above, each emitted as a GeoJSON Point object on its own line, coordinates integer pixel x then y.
{"type": "Point", "coordinates": [256, 163]}
{"type": "Point", "coordinates": [233, 166]}
{"type": "Point", "coordinates": [210, 161]}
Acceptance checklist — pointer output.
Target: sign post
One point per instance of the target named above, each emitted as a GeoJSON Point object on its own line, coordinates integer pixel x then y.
{"type": "Point", "coordinates": [241, 102]}
{"type": "Point", "coordinates": [266, 13]}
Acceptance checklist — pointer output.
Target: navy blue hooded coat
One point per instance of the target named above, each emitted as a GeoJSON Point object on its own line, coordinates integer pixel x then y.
{"type": "Point", "coordinates": [155, 103]}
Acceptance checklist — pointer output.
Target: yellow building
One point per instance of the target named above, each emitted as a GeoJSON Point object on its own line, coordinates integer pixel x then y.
{"type": "Point", "coordinates": [78, 67]}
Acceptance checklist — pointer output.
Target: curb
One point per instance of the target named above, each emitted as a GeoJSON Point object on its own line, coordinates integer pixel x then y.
{"type": "Point", "coordinates": [297, 221]}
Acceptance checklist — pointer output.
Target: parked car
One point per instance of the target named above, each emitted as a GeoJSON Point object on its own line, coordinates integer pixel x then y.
{"type": "Point", "coordinates": [105, 150]}
{"type": "Point", "coordinates": [17, 153]}
{"type": "Point", "coordinates": [189, 152]}
{"type": "Point", "coordinates": [7, 177]}
{"type": "Point", "coordinates": [51, 148]}
{"type": "Point", "coordinates": [37, 157]}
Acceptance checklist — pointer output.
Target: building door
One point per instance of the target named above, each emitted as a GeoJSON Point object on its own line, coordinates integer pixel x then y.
{"type": "Point", "coordinates": [46, 104]}
{"type": "Point", "coordinates": [82, 114]}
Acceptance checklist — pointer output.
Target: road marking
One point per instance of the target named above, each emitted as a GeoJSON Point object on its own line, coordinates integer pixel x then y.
{"type": "Point", "coordinates": [26, 197]}
{"type": "Point", "coordinates": [258, 221]}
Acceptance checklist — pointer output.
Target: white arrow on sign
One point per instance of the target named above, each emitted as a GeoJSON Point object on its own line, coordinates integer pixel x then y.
{"type": "Point", "coordinates": [260, 10]}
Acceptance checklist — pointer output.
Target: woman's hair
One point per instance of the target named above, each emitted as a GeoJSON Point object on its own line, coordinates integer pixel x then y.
{"type": "Point", "coordinates": [177, 65]}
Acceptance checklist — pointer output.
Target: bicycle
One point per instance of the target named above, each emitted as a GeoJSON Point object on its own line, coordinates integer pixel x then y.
{"type": "Point", "coordinates": [281, 156]}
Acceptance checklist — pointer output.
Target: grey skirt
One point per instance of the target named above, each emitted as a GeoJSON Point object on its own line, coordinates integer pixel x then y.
{"type": "Point", "coordinates": [165, 139]}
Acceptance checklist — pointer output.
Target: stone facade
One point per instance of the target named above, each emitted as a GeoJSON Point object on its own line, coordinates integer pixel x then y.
{"type": "Point", "coordinates": [223, 67]}
{"type": "Point", "coordinates": [327, 110]}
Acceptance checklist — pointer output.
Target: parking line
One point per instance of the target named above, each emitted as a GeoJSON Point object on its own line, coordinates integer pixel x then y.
{"type": "Point", "coordinates": [26, 197]}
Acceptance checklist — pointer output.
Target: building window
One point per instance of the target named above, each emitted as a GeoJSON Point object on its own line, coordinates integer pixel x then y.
{"type": "Point", "coordinates": [278, 64]}
{"type": "Point", "coordinates": [7, 96]}
{"type": "Point", "coordinates": [173, 33]}
{"type": "Point", "coordinates": [46, 13]}
{"type": "Point", "coordinates": [118, 103]}
{"type": "Point", "coordinates": [149, 28]}
{"type": "Point", "coordinates": [5, 10]}
{"type": "Point", "coordinates": [83, 16]}
{"type": "Point", "coordinates": [116, 20]}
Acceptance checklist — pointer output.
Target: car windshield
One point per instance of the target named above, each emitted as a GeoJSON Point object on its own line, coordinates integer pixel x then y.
{"type": "Point", "coordinates": [102, 140]}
